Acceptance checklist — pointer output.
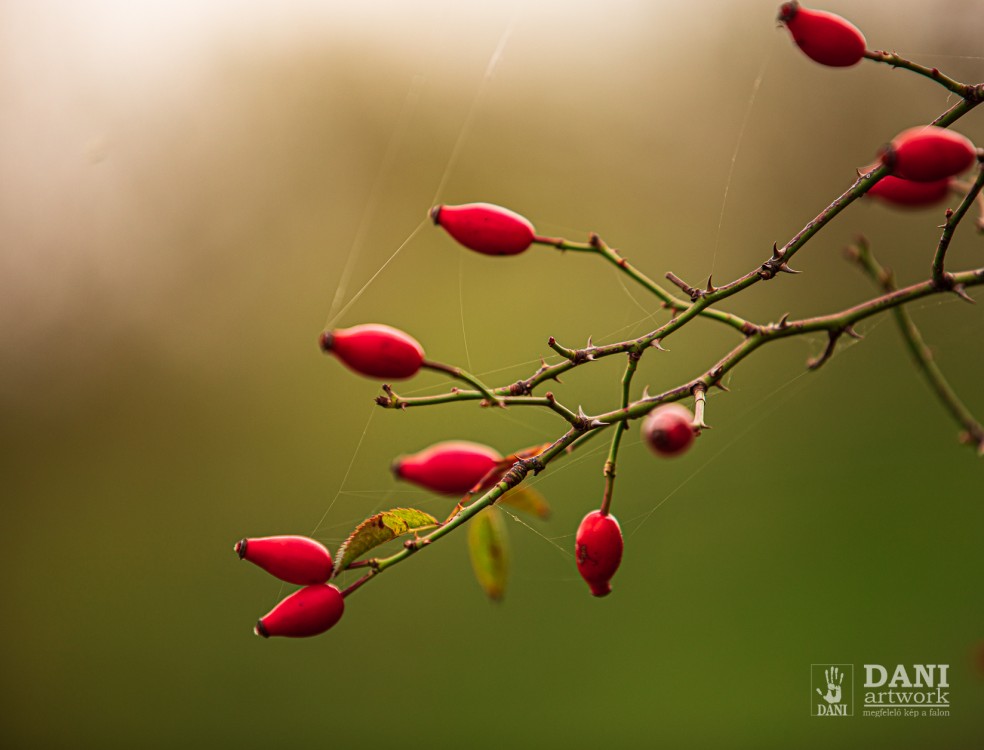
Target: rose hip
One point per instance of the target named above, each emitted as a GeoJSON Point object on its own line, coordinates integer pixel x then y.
{"type": "Point", "coordinates": [598, 551]}
{"type": "Point", "coordinates": [309, 611]}
{"type": "Point", "coordinates": [452, 468]}
{"type": "Point", "coordinates": [375, 350]}
{"type": "Point", "coordinates": [485, 228]}
{"type": "Point", "coordinates": [928, 154]}
{"type": "Point", "coordinates": [910, 194]}
{"type": "Point", "coordinates": [824, 37]}
{"type": "Point", "coordinates": [668, 430]}
{"type": "Point", "coordinates": [295, 559]}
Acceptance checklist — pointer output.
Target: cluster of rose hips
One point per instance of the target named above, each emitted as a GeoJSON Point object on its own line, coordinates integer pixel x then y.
{"type": "Point", "coordinates": [920, 164]}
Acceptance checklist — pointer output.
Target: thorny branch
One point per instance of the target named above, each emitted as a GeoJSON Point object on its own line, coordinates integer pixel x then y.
{"type": "Point", "coordinates": [700, 301]}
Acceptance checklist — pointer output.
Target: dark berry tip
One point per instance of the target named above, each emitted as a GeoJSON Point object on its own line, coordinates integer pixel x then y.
{"type": "Point", "coordinates": [260, 629]}
{"type": "Point", "coordinates": [397, 468]}
{"type": "Point", "coordinates": [601, 589]}
{"type": "Point", "coordinates": [435, 214]}
{"type": "Point", "coordinates": [788, 11]}
{"type": "Point", "coordinates": [887, 156]}
{"type": "Point", "coordinates": [326, 340]}
{"type": "Point", "coordinates": [241, 548]}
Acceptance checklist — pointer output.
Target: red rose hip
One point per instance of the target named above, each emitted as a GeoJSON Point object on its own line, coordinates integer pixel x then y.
{"type": "Point", "coordinates": [295, 559]}
{"type": "Point", "coordinates": [485, 228]}
{"type": "Point", "coordinates": [928, 154]}
{"type": "Point", "coordinates": [908, 193]}
{"type": "Point", "coordinates": [375, 350]}
{"type": "Point", "coordinates": [824, 37]}
{"type": "Point", "coordinates": [669, 429]}
{"type": "Point", "coordinates": [598, 551]}
{"type": "Point", "coordinates": [452, 468]}
{"type": "Point", "coordinates": [309, 611]}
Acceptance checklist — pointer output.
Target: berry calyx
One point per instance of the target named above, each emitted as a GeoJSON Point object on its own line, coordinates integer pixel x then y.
{"type": "Point", "coordinates": [453, 467]}
{"type": "Point", "coordinates": [669, 429]}
{"type": "Point", "coordinates": [294, 559]}
{"type": "Point", "coordinates": [375, 350]}
{"type": "Point", "coordinates": [908, 193]}
{"type": "Point", "coordinates": [824, 37]}
{"type": "Point", "coordinates": [309, 611]}
{"type": "Point", "coordinates": [598, 551]}
{"type": "Point", "coordinates": [485, 228]}
{"type": "Point", "coordinates": [928, 153]}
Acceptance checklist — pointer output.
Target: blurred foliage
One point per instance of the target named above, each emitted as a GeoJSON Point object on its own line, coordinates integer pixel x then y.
{"type": "Point", "coordinates": [181, 187]}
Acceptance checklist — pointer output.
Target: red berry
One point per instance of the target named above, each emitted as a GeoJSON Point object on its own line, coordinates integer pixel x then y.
{"type": "Point", "coordinates": [309, 611]}
{"type": "Point", "coordinates": [598, 549]}
{"type": "Point", "coordinates": [906, 193]}
{"type": "Point", "coordinates": [295, 559]}
{"type": "Point", "coordinates": [928, 153]}
{"type": "Point", "coordinates": [453, 467]}
{"type": "Point", "coordinates": [485, 228]}
{"type": "Point", "coordinates": [669, 429]}
{"type": "Point", "coordinates": [824, 37]}
{"type": "Point", "coordinates": [374, 350]}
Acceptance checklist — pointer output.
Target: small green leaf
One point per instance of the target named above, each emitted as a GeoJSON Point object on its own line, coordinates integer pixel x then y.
{"type": "Point", "coordinates": [379, 529]}
{"type": "Point", "coordinates": [527, 499]}
{"type": "Point", "coordinates": [489, 551]}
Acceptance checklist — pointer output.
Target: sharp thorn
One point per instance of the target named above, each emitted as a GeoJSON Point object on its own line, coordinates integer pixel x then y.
{"type": "Point", "coordinates": [849, 330]}
{"type": "Point", "coordinates": [783, 321]}
{"type": "Point", "coordinates": [961, 292]}
{"type": "Point", "coordinates": [786, 269]}
{"type": "Point", "coordinates": [659, 346]}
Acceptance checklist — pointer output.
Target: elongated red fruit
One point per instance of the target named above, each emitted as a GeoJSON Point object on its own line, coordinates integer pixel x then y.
{"type": "Point", "coordinates": [452, 468]}
{"type": "Point", "coordinates": [668, 430]}
{"type": "Point", "coordinates": [598, 551]}
{"type": "Point", "coordinates": [910, 194]}
{"type": "Point", "coordinates": [824, 37]}
{"type": "Point", "coordinates": [928, 153]}
{"type": "Point", "coordinates": [375, 350]}
{"type": "Point", "coordinates": [309, 611]}
{"type": "Point", "coordinates": [295, 559]}
{"type": "Point", "coordinates": [485, 228]}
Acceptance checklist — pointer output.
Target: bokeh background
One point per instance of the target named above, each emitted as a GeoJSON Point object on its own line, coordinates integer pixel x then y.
{"type": "Point", "coordinates": [182, 188]}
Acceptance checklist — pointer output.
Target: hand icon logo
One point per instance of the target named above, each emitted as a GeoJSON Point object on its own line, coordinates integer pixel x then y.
{"type": "Point", "coordinates": [833, 685]}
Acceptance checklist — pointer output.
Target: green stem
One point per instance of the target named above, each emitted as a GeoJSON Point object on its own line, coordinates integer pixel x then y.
{"type": "Point", "coordinates": [597, 246]}
{"type": "Point", "coordinates": [465, 376]}
{"type": "Point", "coordinates": [962, 90]}
{"type": "Point", "coordinates": [953, 219]}
{"type": "Point", "coordinates": [921, 353]}
{"type": "Point", "coordinates": [609, 468]}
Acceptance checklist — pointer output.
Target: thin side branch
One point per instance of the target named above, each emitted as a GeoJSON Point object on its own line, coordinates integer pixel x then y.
{"type": "Point", "coordinates": [953, 219]}
{"type": "Point", "coordinates": [973, 431]}
{"type": "Point", "coordinates": [963, 90]}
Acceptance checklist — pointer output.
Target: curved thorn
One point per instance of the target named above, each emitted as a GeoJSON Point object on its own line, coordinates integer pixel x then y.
{"type": "Point", "coordinates": [961, 292]}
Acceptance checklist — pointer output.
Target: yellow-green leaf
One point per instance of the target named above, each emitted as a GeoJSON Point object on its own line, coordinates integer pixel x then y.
{"type": "Point", "coordinates": [527, 499]}
{"type": "Point", "coordinates": [489, 550]}
{"type": "Point", "coordinates": [380, 529]}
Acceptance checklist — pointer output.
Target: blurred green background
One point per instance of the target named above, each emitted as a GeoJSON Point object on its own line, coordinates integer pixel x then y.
{"type": "Point", "coordinates": [181, 188]}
